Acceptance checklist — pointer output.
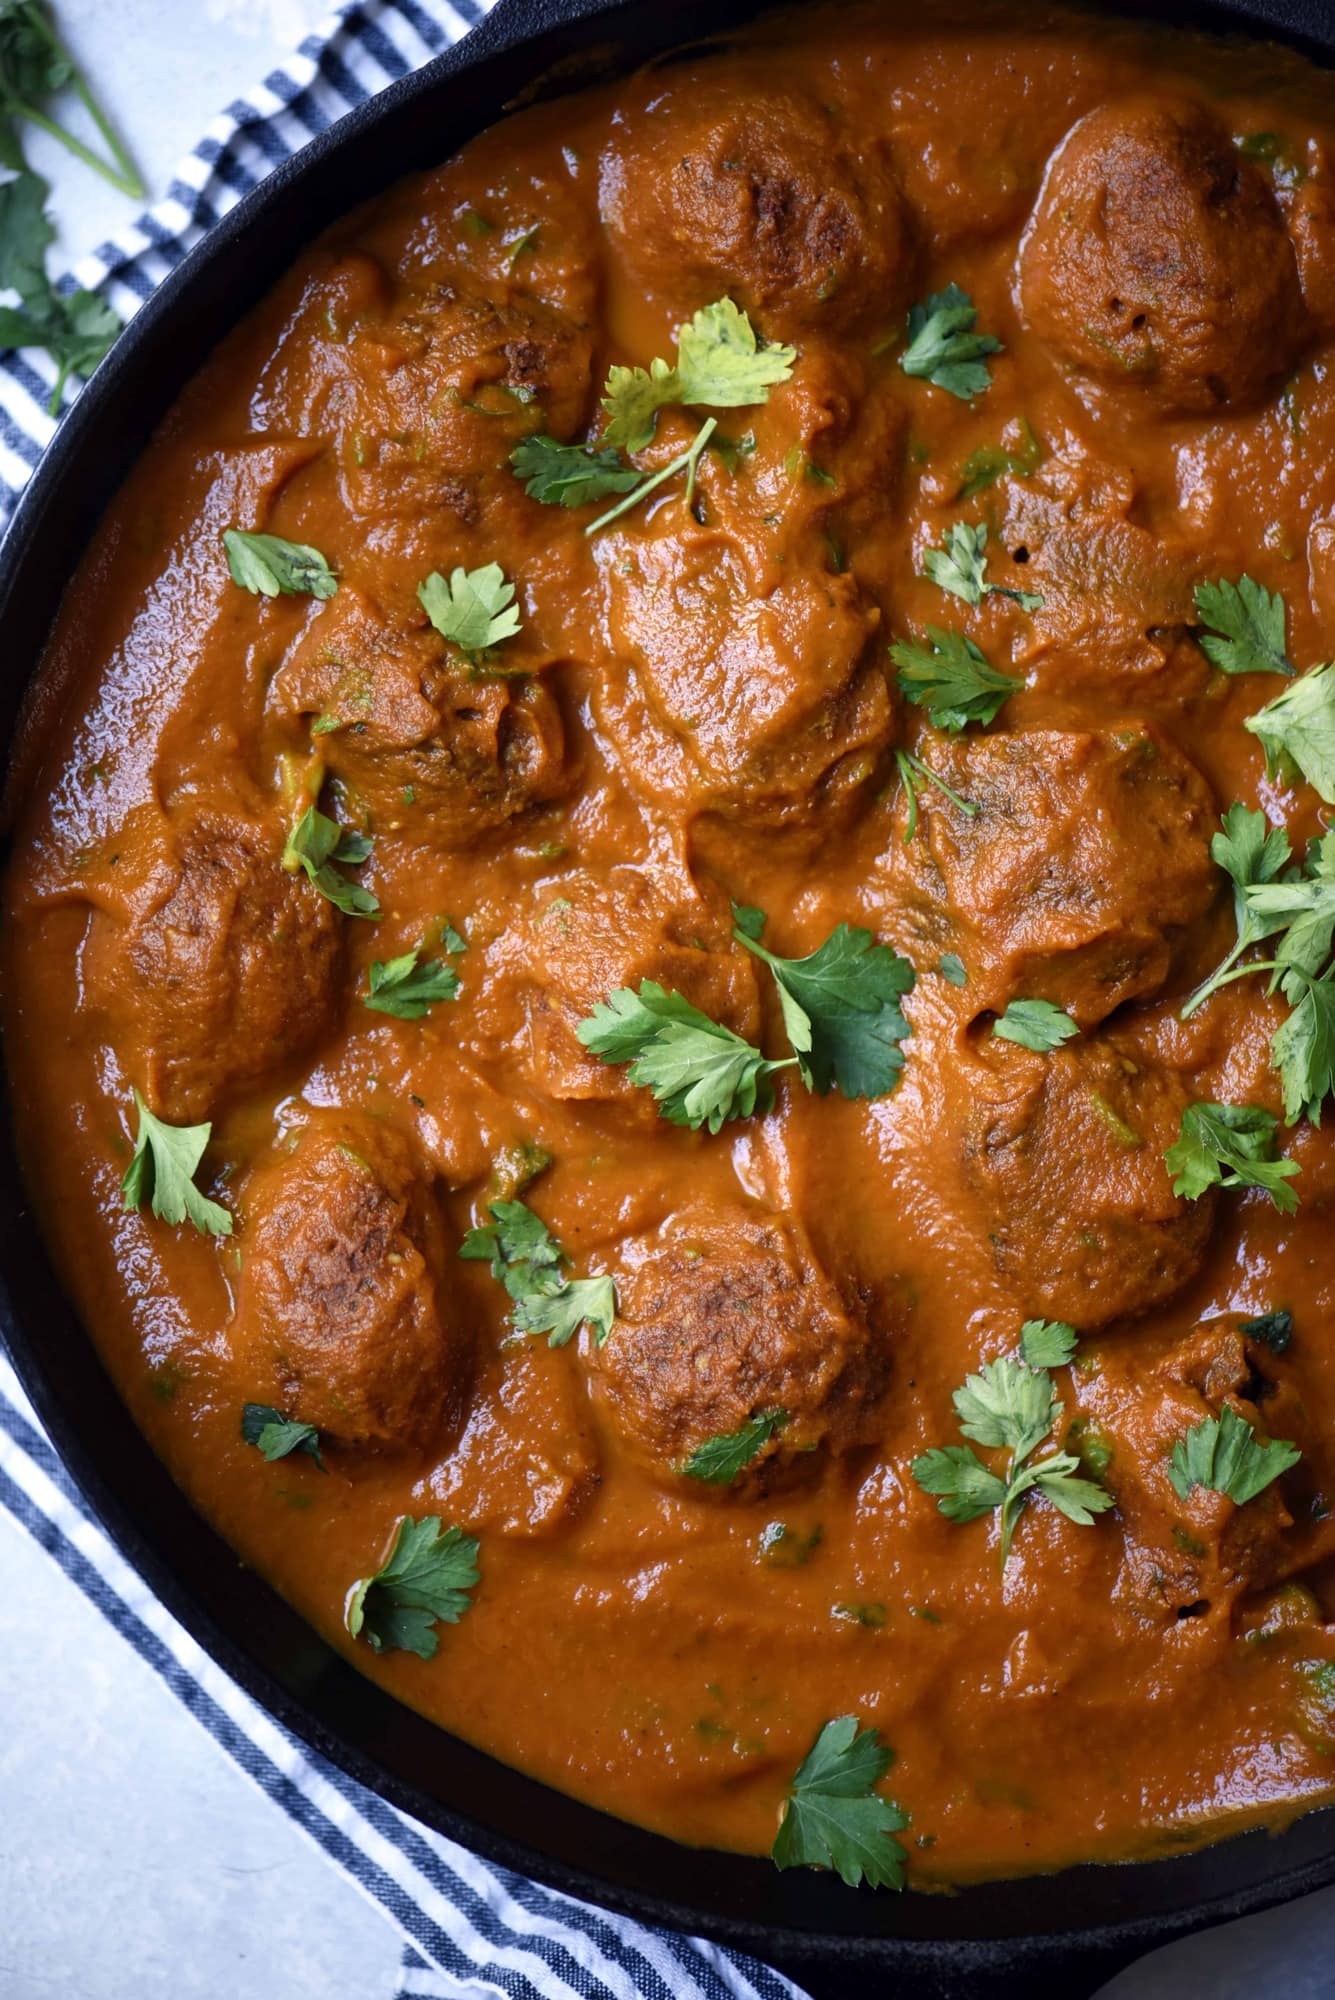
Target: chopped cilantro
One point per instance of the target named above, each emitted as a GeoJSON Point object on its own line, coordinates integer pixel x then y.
{"type": "Point", "coordinates": [1224, 1455]}
{"type": "Point", "coordinates": [320, 846]}
{"type": "Point", "coordinates": [528, 1261]}
{"type": "Point", "coordinates": [1273, 1329]}
{"type": "Point", "coordinates": [944, 347]}
{"type": "Point", "coordinates": [841, 1009]}
{"type": "Point", "coordinates": [1244, 627]}
{"type": "Point", "coordinates": [276, 1436]}
{"type": "Point", "coordinates": [1039, 1025]}
{"type": "Point", "coordinates": [1297, 730]}
{"type": "Point", "coordinates": [568, 475]}
{"type": "Point", "coordinates": [951, 678]}
{"type": "Point", "coordinates": [1047, 1343]}
{"type": "Point", "coordinates": [426, 1579]}
{"type": "Point", "coordinates": [834, 1817]}
{"type": "Point", "coordinates": [700, 1072]}
{"type": "Point", "coordinates": [475, 610]}
{"type": "Point", "coordinates": [162, 1173]}
{"type": "Point", "coordinates": [961, 569]}
{"type": "Point", "coordinates": [1230, 1146]}
{"type": "Point", "coordinates": [720, 363]}
{"type": "Point", "coordinates": [270, 567]}
{"type": "Point", "coordinates": [720, 1460]}
{"type": "Point", "coordinates": [912, 768]}
{"type": "Point", "coordinates": [407, 990]}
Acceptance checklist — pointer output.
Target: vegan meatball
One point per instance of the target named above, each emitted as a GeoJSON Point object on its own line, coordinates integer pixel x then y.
{"type": "Point", "coordinates": [1156, 257]}
{"type": "Point", "coordinates": [213, 966]}
{"type": "Point", "coordinates": [341, 1303]}
{"type": "Point", "coordinates": [1065, 1153]}
{"type": "Point", "coordinates": [724, 1316]}
{"type": "Point", "coordinates": [1089, 858]}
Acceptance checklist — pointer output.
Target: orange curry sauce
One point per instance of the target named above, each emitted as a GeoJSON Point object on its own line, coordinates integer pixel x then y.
{"type": "Point", "coordinates": [701, 705]}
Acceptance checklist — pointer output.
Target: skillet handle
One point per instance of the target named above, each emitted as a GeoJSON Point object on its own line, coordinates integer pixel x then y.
{"type": "Point", "coordinates": [987, 1972]}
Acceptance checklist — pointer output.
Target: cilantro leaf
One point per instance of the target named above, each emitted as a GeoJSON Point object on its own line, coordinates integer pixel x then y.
{"type": "Point", "coordinates": [568, 475]}
{"type": "Point", "coordinates": [25, 236]}
{"type": "Point", "coordinates": [952, 969]}
{"type": "Point", "coordinates": [944, 347]}
{"type": "Point", "coordinates": [1011, 1405]}
{"type": "Point", "coordinates": [961, 568]}
{"type": "Point", "coordinates": [34, 65]}
{"type": "Point", "coordinates": [951, 678]}
{"type": "Point", "coordinates": [991, 462]}
{"type": "Point", "coordinates": [1302, 1050]}
{"type": "Point", "coordinates": [721, 362]}
{"type": "Point", "coordinates": [318, 845]}
{"type": "Point", "coordinates": [1297, 730]}
{"type": "Point", "coordinates": [407, 990]}
{"type": "Point", "coordinates": [276, 1436]}
{"type": "Point", "coordinates": [1230, 1146]}
{"type": "Point", "coordinates": [1039, 1025]}
{"type": "Point", "coordinates": [748, 919]}
{"type": "Point", "coordinates": [527, 1259]}
{"type": "Point", "coordinates": [1224, 1455]}
{"type": "Point", "coordinates": [1047, 1343]}
{"type": "Point", "coordinates": [425, 1580]}
{"type": "Point", "coordinates": [841, 1010]}
{"type": "Point", "coordinates": [475, 610]}
{"type": "Point", "coordinates": [1244, 627]}
{"type": "Point", "coordinates": [700, 1072]}
{"type": "Point", "coordinates": [1252, 853]}
{"type": "Point", "coordinates": [75, 327]}
{"type": "Point", "coordinates": [1273, 1329]}
{"type": "Point", "coordinates": [834, 1817]}
{"type": "Point", "coordinates": [720, 1460]}
{"type": "Point", "coordinates": [162, 1173]}
{"type": "Point", "coordinates": [269, 567]}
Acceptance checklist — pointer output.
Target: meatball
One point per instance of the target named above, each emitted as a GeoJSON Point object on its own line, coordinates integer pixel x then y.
{"type": "Point", "coordinates": [711, 189]}
{"type": "Point", "coordinates": [341, 1307]}
{"type": "Point", "coordinates": [421, 743]}
{"type": "Point", "coordinates": [762, 684]}
{"type": "Point", "coordinates": [1182, 1557]}
{"type": "Point", "coordinates": [1065, 1153]}
{"type": "Point", "coordinates": [584, 937]}
{"type": "Point", "coordinates": [1156, 256]}
{"type": "Point", "coordinates": [212, 966]}
{"type": "Point", "coordinates": [1089, 857]}
{"type": "Point", "coordinates": [724, 1315]}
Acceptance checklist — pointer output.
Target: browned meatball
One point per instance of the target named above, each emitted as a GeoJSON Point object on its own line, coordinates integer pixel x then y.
{"type": "Point", "coordinates": [212, 965]}
{"type": "Point", "coordinates": [1066, 1155]}
{"type": "Point", "coordinates": [758, 194]}
{"type": "Point", "coordinates": [724, 1315]}
{"type": "Point", "coordinates": [341, 1302]}
{"type": "Point", "coordinates": [764, 685]}
{"type": "Point", "coordinates": [1157, 257]}
{"type": "Point", "coordinates": [582, 938]}
{"type": "Point", "coordinates": [423, 745]}
{"type": "Point", "coordinates": [1183, 1557]}
{"type": "Point", "coordinates": [1089, 857]}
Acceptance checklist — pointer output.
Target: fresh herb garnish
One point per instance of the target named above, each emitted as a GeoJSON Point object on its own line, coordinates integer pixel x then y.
{"type": "Point", "coordinates": [321, 846]}
{"type": "Point", "coordinates": [687, 461]}
{"type": "Point", "coordinates": [276, 1436]}
{"type": "Point", "coordinates": [425, 1580]}
{"type": "Point", "coordinates": [1297, 730]}
{"type": "Point", "coordinates": [76, 328]}
{"type": "Point", "coordinates": [1251, 852]}
{"type": "Point", "coordinates": [720, 1460]}
{"type": "Point", "coordinates": [1244, 627]}
{"type": "Point", "coordinates": [951, 678]}
{"type": "Point", "coordinates": [162, 1173]}
{"type": "Point", "coordinates": [568, 475]}
{"type": "Point", "coordinates": [944, 347]}
{"type": "Point", "coordinates": [1230, 1146]}
{"type": "Point", "coordinates": [1047, 1343]}
{"type": "Point", "coordinates": [720, 362]}
{"type": "Point", "coordinates": [474, 610]}
{"type": "Point", "coordinates": [1273, 1329]}
{"type": "Point", "coordinates": [961, 568]}
{"type": "Point", "coordinates": [911, 769]}
{"type": "Point", "coordinates": [953, 969]}
{"type": "Point", "coordinates": [1224, 1455]}
{"type": "Point", "coordinates": [405, 989]}
{"type": "Point", "coordinates": [991, 462]}
{"type": "Point", "coordinates": [700, 1072]}
{"type": "Point", "coordinates": [835, 1818]}
{"type": "Point", "coordinates": [1013, 1406]}
{"type": "Point", "coordinates": [35, 64]}
{"type": "Point", "coordinates": [271, 567]}
{"type": "Point", "coordinates": [841, 1009]}
{"type": "Point", "coordinates": [527, 1259]}
{"type": "Point", "coordinates": [1039, 1025]}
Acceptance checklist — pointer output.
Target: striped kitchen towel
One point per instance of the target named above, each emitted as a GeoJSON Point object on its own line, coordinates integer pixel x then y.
{"type": "Point", "coordinates": [468, 1928]}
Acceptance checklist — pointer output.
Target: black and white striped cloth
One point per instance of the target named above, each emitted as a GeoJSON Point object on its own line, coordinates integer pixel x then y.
{"type": "Point", "coordinates": [468, 1928]}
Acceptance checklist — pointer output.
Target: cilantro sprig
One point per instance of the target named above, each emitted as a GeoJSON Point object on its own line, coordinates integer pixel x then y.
{"type": "Point", "coordinates": [1039, 1025]}
{"type": "Point", "coordinates": [527, 1259]}
{"type": "Point", "coordinates": [319, 847]}
{"type": "Point", "coordinates": [834, 1817]}
{"type": "Point", "coordinates": [474, 609]}
{"type": "Point", "coordinates": [911, 769]}
{"type": "Point", "coordinates": [1224, 1455]}
{"type": "Point", "coordinates": [1230, 1146]}
{"type": "Point", "coordinates": [1297, 730]}
{"type": "Point", "coordinates": [268, 566]}
{"type": "Point", "coordinates": [408, 987]}
{"type": "Point", "coordinates": [569, 475]}
{"type": "Point", "coordinates": [1243, 627]}
{"type": "Point", "coordinates": [1012, 1406]}
{"type": "Point", "coordinates": [1251, 852]}
{"type": "Point", "coordinates": [841, 1009]}
{"type": "Point", "coordinates": [276, 1436]}
{"type": "Point", "coordinates": [426, 1580]}
{"type": "Point", "coordinates": [162, 1173]}
{"type": "Point", "coordinates": [952, 679]}
{"type": "Point", "coordinates": [719, 1460]}
{"type": "Point", "coordinates": [961, 569]}
{"type": "Point", "coordinates": [944, 347]}
{"type": "Point", "coordinates": [35, 65]}
{"type": "Point", "coordinates": [700, 1072]}
{"type": "Point", "coordinates": [721, 363]}
{"type": "Point", "coordinates": [75, 327]}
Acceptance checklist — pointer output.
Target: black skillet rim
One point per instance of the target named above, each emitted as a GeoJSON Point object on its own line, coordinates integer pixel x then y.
{"type": "Point", "coordinates": [281, 1664]}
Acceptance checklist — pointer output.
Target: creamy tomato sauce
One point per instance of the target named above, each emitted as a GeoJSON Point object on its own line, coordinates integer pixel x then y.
{"type": "Point", "coordinates": [701, 706]}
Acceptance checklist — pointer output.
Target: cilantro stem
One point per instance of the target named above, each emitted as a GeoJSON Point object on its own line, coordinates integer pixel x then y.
{"type": "Point", "coordinates": [1225, 977]}
{"type": "Point", "coordinates": [686, 461]}
{"type": "Point", "coordinates": [908, 765]}
{"type": "Point", "coordinates": [120, 170]}
{"type": "Point", "coordinates": [127, 183]}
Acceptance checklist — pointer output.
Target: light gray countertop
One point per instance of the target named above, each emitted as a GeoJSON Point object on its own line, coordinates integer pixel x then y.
{"type": "Point", "coordinates": [135, 1859]}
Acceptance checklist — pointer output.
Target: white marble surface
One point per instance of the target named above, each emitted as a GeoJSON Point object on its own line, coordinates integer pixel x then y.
{"type": "Point", "coordinates": [135, 1860]}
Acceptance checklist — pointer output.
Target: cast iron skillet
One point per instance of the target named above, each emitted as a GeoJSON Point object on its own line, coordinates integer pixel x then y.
{"type": "Point", "coordinates": [995, 1939]}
